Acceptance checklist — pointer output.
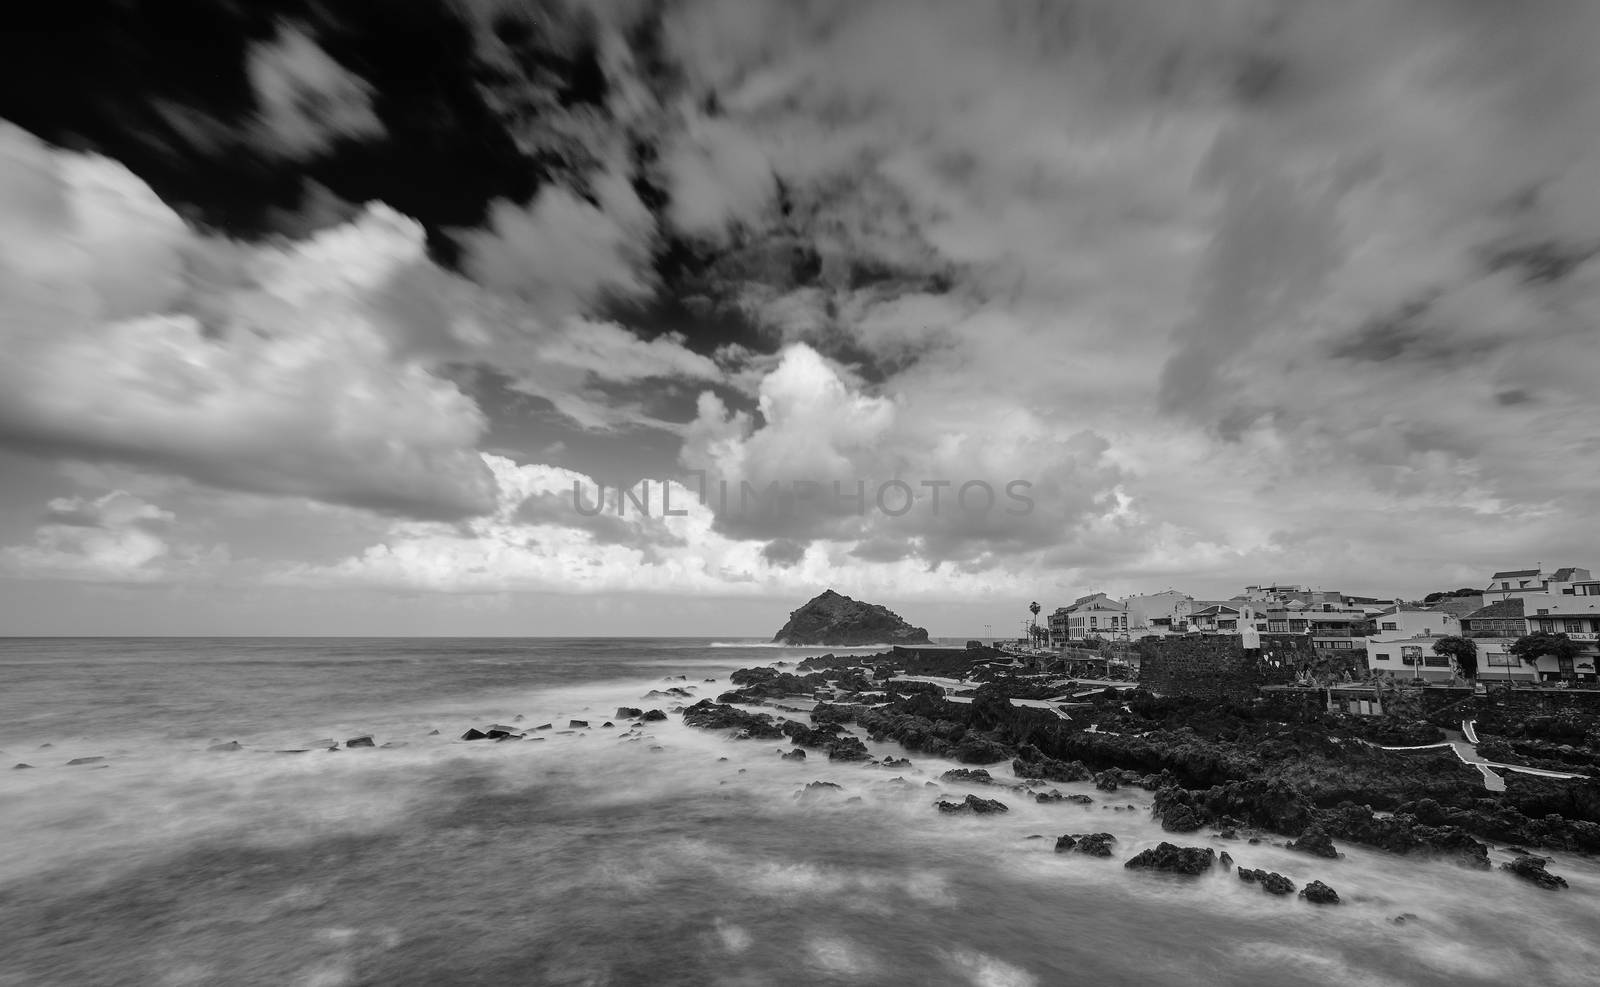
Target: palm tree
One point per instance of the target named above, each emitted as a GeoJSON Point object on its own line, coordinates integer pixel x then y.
{"type": "Point", "coordinates": [1034, 608]}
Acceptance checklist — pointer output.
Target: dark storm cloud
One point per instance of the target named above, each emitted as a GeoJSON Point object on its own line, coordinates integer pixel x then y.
{"type": "Point", "coordinates": [784, 552]}
{"type": "Point", "coordinates": [1541, 263]}
{"type": "Point", "coordinates": [1410, 334]}
{"type": "Point", "coordinates": [165, 88]}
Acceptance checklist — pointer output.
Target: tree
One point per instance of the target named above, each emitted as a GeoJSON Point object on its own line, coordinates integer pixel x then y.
{"type": "Point", "coordinates": [1463, 650]}
{"type": "Point", "coordinates": [1531, 647]}
{"type": "Point", "coordinates": [1034, 608]}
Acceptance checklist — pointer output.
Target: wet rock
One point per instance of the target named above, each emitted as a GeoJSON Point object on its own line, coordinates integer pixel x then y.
{"type": "Point", "coordinates": [710, 680]}
{"type": "Point", "coordinates": [628, 712]}
{"type": "Point", "coordinates": [973, 750]}
{"type": "Point", "coordinates": [85, 760]}
{"type": "Point", "coordinates": [607, 725]}
{"type": "Point", "coordinates": [1054, 796]}
{"type": "Point", "coordinates": [848, 749]}
{"type": "Point", "coordinates": [545, 726]}
{"type": "Point", "coordinates": [20, 766]}
{"type": "Point", "coordinates": [1181, 819]}
{"type": "Point", "coordinates": [895, 762]}
{"type": "Point", "coordinates": [232, 745]}
{"type": "Point", "coordinates": [433, 733]}
{"type": "Point", "coordinates": [1319, 894]}
{"type": "Point", "coordinates": [1271, 882]}
{"type": "Point", "coordinates": [1031, 764]}
{"type": "Point", "coordinates": [1403, 918]}
{"type": "Point", "coordinates": [1531, 868]}
{"type": "Point", "coordinates": [1315, 842]}
{"type": "Point", "coordinates": [818, 789]}
{"type": "Point", "coordinates": [1065, 843]}
{"type": "Point", "coordinates": [1172, 859]}
{"type": "Point", "coordinates": [1226, 860]}
{"type": "Point", "coordinates": [1094, 844]}
{"type": "Point", "coordinates": [967, 776]}
{"type": "Point", "coordinates": [1107, 781]}
{"type": "Point", "coordinates": [500, 733]}
{"type": "Point", "coordinates": [392, 744]}
{"type": "Point", "coordinates": [795, 755]}
{"type": "Point", "coordinates": [653, 715]}
{"type": "Point", "coordinates": [474, 734]}
{"type": "Point", "coordinates": [973, 804]}
{"type": "Point", "coordinates": [365, 740]}
{"type": "Point", "coordinates": [577, 724]}
{"type": "Point", "coordinates": [708, 715]}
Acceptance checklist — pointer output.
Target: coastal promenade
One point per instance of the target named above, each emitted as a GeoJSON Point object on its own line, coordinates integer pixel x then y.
{"type": "Point", "coordinates": [1464, 743]}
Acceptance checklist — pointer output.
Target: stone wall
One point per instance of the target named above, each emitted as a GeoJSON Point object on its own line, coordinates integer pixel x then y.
{"type": "Point", "coordinates": [1217, 665]}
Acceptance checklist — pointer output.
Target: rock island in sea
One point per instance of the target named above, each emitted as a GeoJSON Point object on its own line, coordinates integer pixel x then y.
{"type": "Point", "coordinates": [836, 621]}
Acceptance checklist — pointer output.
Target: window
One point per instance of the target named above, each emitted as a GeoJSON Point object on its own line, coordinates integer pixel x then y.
{"type": "Point", "coordinates": [1572, 626]}
{"type": "Point", "coordinates": [1390, 625]}
{"type": "Point", "coordinates": [1521, 583]}
{"type": "Point", "coordinates": [1436, 661]}
{"type": "Point", "coordinates": [1505, 585]}
{"type": "Point", "coordinates": [1499, 659]}
{"type": "Point", "coordinates": [1380, 657]}
{"type": "Point", "coordinates": [1543, 611]}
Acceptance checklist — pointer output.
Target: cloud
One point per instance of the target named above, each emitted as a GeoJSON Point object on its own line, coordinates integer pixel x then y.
{"type": "Point", "coordinates": [116, 538]}
{"type": "Point", "coordinates": [129, 337]}
{"type": "Point", "coordinates": [537, 541]}
{"type": "Point", "coordinates": [307, 100]}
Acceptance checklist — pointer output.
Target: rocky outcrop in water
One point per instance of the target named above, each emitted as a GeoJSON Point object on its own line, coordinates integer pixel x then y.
{"type": "Point", "coordinates": [1532, 869]}
{"type": "Point", "coordinates": [1270, 881]}
{"type": "Point", "coordinates": [1319, 894]}
{"type": "Point", "coordinates": [973, 804]}
{"type": "Point", "coordinates": [1171, 859]}
{"type": "Point", "coordinates": [833, 619]}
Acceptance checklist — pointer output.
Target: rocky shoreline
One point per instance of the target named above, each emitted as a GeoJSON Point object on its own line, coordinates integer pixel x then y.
{"type": "Point", "coordinates": [1236, 771]}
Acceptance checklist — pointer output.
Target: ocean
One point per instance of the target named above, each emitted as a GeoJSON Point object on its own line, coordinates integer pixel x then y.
{"type": "Point", "coordinates": [589, 858]}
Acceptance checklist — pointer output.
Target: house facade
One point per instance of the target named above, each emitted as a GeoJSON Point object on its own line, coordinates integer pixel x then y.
{"type": "Point", "coordinates": [1576, 616]}
{"type": "Point", "coordinates": [1409, 658]}
{"type": "Point", "coordinates": [1513, 583]}
{"type": "Point", "coordinates": [1095, 615]}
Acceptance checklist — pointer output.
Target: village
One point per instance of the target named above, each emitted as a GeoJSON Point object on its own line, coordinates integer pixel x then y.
{"type": "Point", "coordinates": [1535, 628]}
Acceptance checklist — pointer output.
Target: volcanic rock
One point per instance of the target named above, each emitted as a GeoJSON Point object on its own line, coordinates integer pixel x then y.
{"type": "Point", "coordinates": [1319, 894]}
{"type": "Point", "coordinates": [832, 619]}
{"type": "Point", "coordinates": [973, 804]}
{"type": "Point", "coordinates": [1271, 882]}
{"type": "Point", "coordinates": [1174, 859]}
{"type": "Point", "coordinates": [795, 755]}
{"type": "Point", "coordinates": [365, 740]}
{"type": "Point", "coordinates": [1531, 868]}
{"type": "Point", "coordinates": [1315, 842]}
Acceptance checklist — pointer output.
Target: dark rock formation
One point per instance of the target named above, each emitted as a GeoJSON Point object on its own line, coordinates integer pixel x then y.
{"type": "Point", "coordinates": [1271, 882]}
{"type": "Point", "coordinates": [1054, 796]}
{"type": "Point", "coordinates": [474, 734]}
{"type": "Point", "coordinates": [1172, 859]}
{"type": "Point", "coordinates": [655, 714]}
{"type": "Point", "coordinates": [365, 740]}
{"type": "Point", "coordinates": [708, 715]}
{"type": "Point", "coordinates": [973, 804]}
{"type": "Point", "coordinates": [1319, 894]}
{"type": "Point", "coordinates": [1092, 844]}
{"type": "Point", "coordinates": [1315, 842]}
{"type": "Point", "coordinates": [848, 749]}
{"type": "Point", "coordinates": [838, 620]}
{"type": "Point", "coordinates": [1047, 768]}
{"type": "Point", "coordinates": [975, 750]}
{"type": "Point", "coordinates": [576, 724]}
{"type": "Point", "coordinates": [966, 776]}
{"type": "Point", "coordinates": [1531, 868]}
{"type": "Point", "coordinates": [628, 712]}
{"type": "Point", "coordinates": [1107, 781]}
{"type": "Point", "coordinates": [795, 755]}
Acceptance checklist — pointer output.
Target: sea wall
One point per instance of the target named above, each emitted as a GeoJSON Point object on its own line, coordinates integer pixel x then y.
{"type": "Point", "coordinates": [1218, 666]}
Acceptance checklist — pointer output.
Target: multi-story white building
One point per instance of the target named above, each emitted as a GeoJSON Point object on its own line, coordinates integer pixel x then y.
{"type": "Point", "coordinates": [1528, 582]}
{"type": "Point", "coordinates": [1095, 615]}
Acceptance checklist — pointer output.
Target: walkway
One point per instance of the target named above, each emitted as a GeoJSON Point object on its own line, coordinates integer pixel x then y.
{"type": "Point", "coordinates": [1465, 745]}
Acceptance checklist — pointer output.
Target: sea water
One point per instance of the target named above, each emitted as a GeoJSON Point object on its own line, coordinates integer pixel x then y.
{"type": "Point", "coordinates": [589, 858]}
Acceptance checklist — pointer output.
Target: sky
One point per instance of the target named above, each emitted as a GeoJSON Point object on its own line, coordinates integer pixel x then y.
{"type": "Point", "coordinates": [637, 317]}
